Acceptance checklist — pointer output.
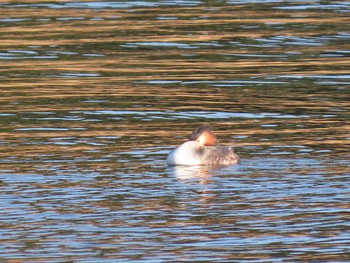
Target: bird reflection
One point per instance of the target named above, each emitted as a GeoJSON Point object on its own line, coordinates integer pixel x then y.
{"type": "Point", "coordinates": [200, 172]}
{"type": "Point", "coordinates": [201, 179]}
{"type": "Point", "coordinates": [194, 176]}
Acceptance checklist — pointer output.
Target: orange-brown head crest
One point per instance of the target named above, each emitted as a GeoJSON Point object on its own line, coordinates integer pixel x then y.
{"type": "Point", "coordinates": [204, 135]}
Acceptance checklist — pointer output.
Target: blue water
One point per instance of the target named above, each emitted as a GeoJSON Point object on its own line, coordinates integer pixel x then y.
{"type": "Point", "coordinates": [94, 95]}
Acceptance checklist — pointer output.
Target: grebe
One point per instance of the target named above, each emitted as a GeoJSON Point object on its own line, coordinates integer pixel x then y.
{"type": "Point", "coordinates": [202, 149]}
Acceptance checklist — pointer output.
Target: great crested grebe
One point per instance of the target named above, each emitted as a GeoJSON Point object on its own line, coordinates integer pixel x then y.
{"type": "Point", "coordinates": [202, 149]}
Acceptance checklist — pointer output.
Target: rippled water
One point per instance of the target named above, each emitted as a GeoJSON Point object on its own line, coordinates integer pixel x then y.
{"type": "Point", "coordinates": [95, 94]}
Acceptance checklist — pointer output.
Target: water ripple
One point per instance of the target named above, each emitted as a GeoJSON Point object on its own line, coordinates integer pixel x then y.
{"type": "Point", "coordinates": [94, 95]}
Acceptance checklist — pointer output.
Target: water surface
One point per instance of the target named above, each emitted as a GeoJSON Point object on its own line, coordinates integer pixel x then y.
{"type": "Point", "coordinates": [95, 94]}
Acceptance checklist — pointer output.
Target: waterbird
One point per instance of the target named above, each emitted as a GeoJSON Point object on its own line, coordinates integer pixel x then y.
{"type": "Point", "coordinates": [202, 148]}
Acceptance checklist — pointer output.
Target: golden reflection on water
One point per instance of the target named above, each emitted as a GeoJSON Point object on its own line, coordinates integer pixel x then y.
{"type": "Point", "coordinates": [92, 100]}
